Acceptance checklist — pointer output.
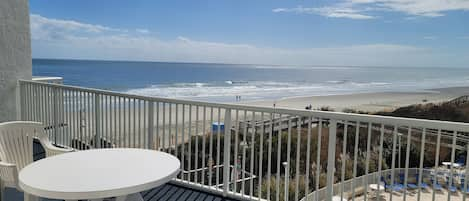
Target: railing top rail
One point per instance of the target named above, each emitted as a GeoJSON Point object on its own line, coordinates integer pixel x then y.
{"type": "Point", "coordinates": [42, 78]}
{"type": "Point", "coordinates": [365, 118]}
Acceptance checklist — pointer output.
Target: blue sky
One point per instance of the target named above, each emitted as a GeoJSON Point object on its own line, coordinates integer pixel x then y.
{"type": "Point", "coordinates": [318, 32]}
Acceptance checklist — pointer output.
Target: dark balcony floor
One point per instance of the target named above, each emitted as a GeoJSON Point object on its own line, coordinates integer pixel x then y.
{"type": "Point", "coordinates": [173, 192]}
{"type": "Point", "coordinates": [167, 192]}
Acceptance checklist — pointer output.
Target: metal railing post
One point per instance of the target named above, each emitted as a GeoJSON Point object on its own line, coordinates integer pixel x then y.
{"type": "Point", "coordinates": [97, 122]}
{"type": "Point", "coordinates": [56, 121]}
{"type": "Point", "coordinates": [331, 158]}
{"type": "Point", "coordinates": [466, 175]}
{"type": "Point", "coordinates": [285, 184]}
{"type": "Point", "coordinates": [150, 124]}
{"type": "Point", "coordinates": [226, 152]}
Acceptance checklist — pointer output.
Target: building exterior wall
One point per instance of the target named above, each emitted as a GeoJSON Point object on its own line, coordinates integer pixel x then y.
{"type": "Point", "coordinates": [15, 54]}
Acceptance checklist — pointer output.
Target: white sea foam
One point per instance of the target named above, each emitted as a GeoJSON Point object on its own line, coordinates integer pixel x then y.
{"type": "Point", "coordinates": [250, 90]}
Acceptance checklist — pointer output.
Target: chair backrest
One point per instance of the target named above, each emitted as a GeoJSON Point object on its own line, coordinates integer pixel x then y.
{"type": "Point", "coordinates": [16, 141]}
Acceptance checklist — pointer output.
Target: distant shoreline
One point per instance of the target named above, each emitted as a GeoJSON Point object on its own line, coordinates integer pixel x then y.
{"type": "Point", "coordinates": [369, 102]}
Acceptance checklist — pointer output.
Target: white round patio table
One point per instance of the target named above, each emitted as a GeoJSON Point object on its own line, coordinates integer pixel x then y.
{"type": "Point", "coordinates": [97, 174]}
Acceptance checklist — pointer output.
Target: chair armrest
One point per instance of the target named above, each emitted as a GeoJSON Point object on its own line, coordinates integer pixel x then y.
{"type": "Point", "coordinates": [8, 172]}
{"type": "Point", "coordinates": [5, 164]}
{"type": "Point", "coordinates": [52, 150]}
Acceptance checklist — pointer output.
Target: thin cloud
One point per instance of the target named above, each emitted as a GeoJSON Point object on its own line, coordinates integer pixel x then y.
{"type": "Point", "coordinates": [361, 9]}
{"type": "Point", "coordinates": [142, 31]}
{"type": "Point", "coordinates": [423, 8]}
{"type": "Point", "coordinates": [40, 22]}
{"type": "Point", "coordinates": [430, 37]}
{"type": "Point", "coordinates": [64, 42]}
{"type": "Point", "coordinates": [278, 10]}
{"type": "Point", "coordinates": [332, 12]}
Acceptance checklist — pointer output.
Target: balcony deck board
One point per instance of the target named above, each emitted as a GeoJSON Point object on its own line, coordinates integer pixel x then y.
{"type": "Point", "coordinates": [178, 193]}
{"type": "Point", "coordinates": [204, 198]}
{"type": "Point", "coordinates": [151, 193]}
{"type": "Point", "coordinates": [159, 193]}
{"type": "Point", "coordinates": [170, 193]}
{"type": "Point", "coordinates": [185, 195]}
{"type": "Point", "coordinates": [193, 196]}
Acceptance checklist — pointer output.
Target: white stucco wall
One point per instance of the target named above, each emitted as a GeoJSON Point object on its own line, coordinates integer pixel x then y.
{"type": "Point", "coordinates": [15, 53]}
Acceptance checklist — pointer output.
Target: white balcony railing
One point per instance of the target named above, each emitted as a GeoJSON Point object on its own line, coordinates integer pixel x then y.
{"type": "Point", "coordinates": [261, 153]}
{"type": "Point", "coordinates": [54, 80]}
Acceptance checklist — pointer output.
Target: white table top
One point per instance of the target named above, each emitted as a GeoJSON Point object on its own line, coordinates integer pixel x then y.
{"type": "Point", "coordinates": [98, 173]}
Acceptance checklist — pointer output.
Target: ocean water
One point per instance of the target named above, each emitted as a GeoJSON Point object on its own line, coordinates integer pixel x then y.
{"type": "Point", "coordinates": [223, 82]}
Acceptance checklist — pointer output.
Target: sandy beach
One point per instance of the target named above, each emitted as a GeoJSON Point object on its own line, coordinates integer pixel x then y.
{"type": "Point", "coordinates": [370, 102]}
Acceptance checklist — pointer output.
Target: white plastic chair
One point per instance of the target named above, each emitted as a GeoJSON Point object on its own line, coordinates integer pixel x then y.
{"type": "Point", "coordinates": [16, 149]}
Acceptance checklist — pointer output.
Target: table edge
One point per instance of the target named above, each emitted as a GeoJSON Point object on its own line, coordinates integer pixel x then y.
{"type": "Point", "coordinates": [97, 194]}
